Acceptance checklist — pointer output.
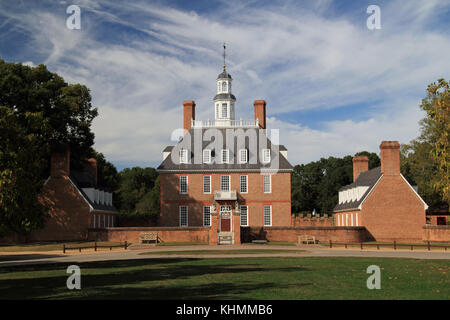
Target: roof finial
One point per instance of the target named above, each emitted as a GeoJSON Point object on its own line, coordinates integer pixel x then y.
{"type": "Point", "coordinates": [224, 54]}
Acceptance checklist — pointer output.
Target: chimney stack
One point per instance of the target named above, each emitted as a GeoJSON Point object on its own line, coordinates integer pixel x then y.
{"type": "Point", "coordinates": [390, 157]}
{"type": "Point", "coordinates": [90, 167]}
{"type": "Point", "coordinates": [360, 164]}
{"type": "Point", "coordinates": [60, 163]}
{"type": "Point", "coordinates": [188, 114]}
{"type": "Point", "coordinates": [260, 112]}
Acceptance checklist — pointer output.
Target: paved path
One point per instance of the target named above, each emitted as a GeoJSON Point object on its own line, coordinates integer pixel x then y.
{"type": "Point", "coordinates": [14, 259]}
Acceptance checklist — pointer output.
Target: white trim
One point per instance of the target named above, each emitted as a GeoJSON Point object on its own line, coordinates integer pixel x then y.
{"type": "Point", "coordinates": [240, 220]}
{"type": "Point", "coordinates": [210, 184]}
{"type": "Point", "coordinates": [270, 206]}
{"type": "Point", "coordinates": [229, 182]}
{"type": "Point", "coordinates": [357, 222]}
{"type": "Point", "coordinates": [270, 183]}
{"type": "Point", "coordinates": [424, 203]}
{"type": "Point", "coordinates": [208, 151]}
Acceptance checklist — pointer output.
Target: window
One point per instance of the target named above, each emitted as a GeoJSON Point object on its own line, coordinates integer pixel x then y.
{"type": "Point", "coordinates": [224, 86]}
{"type": "Point", "coordinates": [225, 156]}
{"type": "Point", "coordinates": [224, 110]}
{"type": "Point", "coordinates": [267, 215]}
{"type": "Point", "coordinates": [244, 216]}
{"type": "Point", "coordinates": [225, 183]}
{"type": "Point", "coordinates": [243, 156]}
{"type": "Point", "coordinates": [206, 184]}
{"type": "Point", "coordinates": [217, 111]}
{"type": "Point", "coordinates": [183, 156]}
{"type": "Point", "coordinates": [206, 156]}
{"type": "Point", "coordinates": [206, 216]}
{"type": "Point", "coordinates": [183, 184]}
{"type": "Point", "coordinates": [267, 184]}
{"type": "Point", "coordinates": [266, 155]}
{"type": "Point", "coordinates": [183, 216]}
{"type": "Point", "coordinates": [244, 184]}
{"type": "Point", "coordinates": [94, 221]}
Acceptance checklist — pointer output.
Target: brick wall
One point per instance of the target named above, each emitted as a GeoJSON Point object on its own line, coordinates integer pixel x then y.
{"type": "Point", "coordinates": [309, 220]}
{"type": "Point", "coordinates": [165, 234]}
{"type": "Point", "coordinates": [323, 234]}
{"type": "Point", "coordinates": [436, 233]}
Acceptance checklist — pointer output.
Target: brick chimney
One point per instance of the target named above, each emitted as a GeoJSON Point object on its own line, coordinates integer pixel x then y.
{"type": "Point", "coordinates": [90, 167]}
{"type": "Point", "coordinates": [188, 114]}
{"type": "Point", "coordinates": [360, 164]}
{"type": "Point", "coordinates": [260, 112]}
{"type": "Point", "coordinates": [60, 163]}
{"type": "Point", "coordinates": [390, 157]}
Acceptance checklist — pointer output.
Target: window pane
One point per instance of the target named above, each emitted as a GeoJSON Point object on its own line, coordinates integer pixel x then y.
{"type": "Point", "coordinates": [244, 186]}
{"type": "Point", "coordinates": [225, 156]}
{"type": "Point", "coordinates": [267, 215]}
{"type": "Point", "coordinates": [207, 184]}
{"type": "Point", "coordinates": [183, 184]}
{"type": "Point", "coordinates": [244, 216]}
{"type": "Point", "coordinates": [183, 216]}
{"type": "Point", "coordinates": [224, 110]}
{"type": "Point", "coordinates": [267, 187]}
{"type": "Point", "coordinates": [266, 155]}
{"type": "Point", "coordinates": [207, 216]}
{"type": "Point", "coordinates": [206, 156]}
{"type": "Point", "coordinates": [243, 156]}
{"type": "Point", "coordinates": [225, 183]}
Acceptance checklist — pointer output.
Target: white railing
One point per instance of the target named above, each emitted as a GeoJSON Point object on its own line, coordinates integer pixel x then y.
{"type": "Point", "coordinates": [224, 123]}
{"type": "Point", "coordinates": [225, 195]}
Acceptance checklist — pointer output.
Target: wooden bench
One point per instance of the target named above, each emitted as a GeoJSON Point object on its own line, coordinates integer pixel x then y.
{"type": "Point", "coordinates": [306, 239]}
{"type": "Point", "coordinates": [149, 236]}
{"type": "Point", "coordinates": [259, 241]}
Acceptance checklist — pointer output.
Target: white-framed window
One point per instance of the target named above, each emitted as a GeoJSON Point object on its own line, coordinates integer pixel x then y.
{"type": "Point", "coordinates": [243, 156]}
{"type": "Point", "coordinates": [266, 155]}
{"type": "Point", "coordinates": [244, 216]}
{"type": "Point", "coordinates": [207, 156]}
{"type": "Point", "coordinates": [183, 216]}
{"type": "Point", "coordinates": [206, 216]}
{"type": "Point", "coordinates": [267, 183]}
{"type": "Point", "coordinates": [243, 184]}
{"type": "Point", "coordinates": [224, 86]}
{"type": "Point", "coordinates": [183, 156]}
{"type": "Point", "coordinates": [183, 184]}
{"type": "Point", "coordinates": [224, 110]}
{"type": "Point", "coordinates": [225, 183]}
{"type": "Point", "coordinates": [217, 111]}
{"type": "Point", "coordinates": [267, 215]}
{"type": "Point", "coordinates": [206, 184]}
{"type": "Point", "coordinates": [225, 156]}
{"type": "Point", "coordinates": [356, 222]}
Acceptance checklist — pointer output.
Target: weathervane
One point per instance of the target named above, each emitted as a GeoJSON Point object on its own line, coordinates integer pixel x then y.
{"type": "Point", "coordinates": [224, 48]}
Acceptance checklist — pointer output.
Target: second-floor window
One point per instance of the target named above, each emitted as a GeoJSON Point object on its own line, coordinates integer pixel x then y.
{"type": "Point", "coordinates": [243, 156]}
{"type": "Point", "coordinates": [267, 184]}
{"type": "Point", "coordinates": [183, 184]}
{"type": "Point", "coordinates": [206, 156]}
{"type": "Point", "coordinates": [244, 184]}
{"type": "Point", "coordinates": [225, 183]}
{"type": "Point", "coordinates": [206, 184]}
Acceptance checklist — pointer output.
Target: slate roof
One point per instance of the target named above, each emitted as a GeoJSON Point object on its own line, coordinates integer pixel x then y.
{"type": "Point", "coordinates": [224, 75]}
{"type": "Point", "coordinates": [169, 166]}
{"type": "Point", "coordinates": [222, 96]}
{"type": "Point", "coordinates": [84, 180]}
{"type": "Point", "coordinates": [366, 179]}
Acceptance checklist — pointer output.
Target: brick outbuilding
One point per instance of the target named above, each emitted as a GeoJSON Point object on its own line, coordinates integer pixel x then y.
{"type": "Point", "coordinates": [381, 199]}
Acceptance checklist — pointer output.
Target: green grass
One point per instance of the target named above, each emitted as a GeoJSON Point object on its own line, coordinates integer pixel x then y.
{"type": "Point", "coordinates": [232, 278]}
{"type": "Point", "coordinates": [57, 246]}
{"type": "Point", "coordinates": [164, 244]}
{"type": "Point", "coordinates": [222, 252]}
{"type": "Point", "coordinates": [272, 243]}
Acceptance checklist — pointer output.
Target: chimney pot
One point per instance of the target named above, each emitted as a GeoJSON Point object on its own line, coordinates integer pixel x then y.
{"type": "Point", "coordinates": [360, 164]}
{"type": "Point", "coordinates": [260, 112]}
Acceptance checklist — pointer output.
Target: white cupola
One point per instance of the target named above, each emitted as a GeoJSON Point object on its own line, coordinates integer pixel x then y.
{"type": "Point", "coordinates": [224, 100]}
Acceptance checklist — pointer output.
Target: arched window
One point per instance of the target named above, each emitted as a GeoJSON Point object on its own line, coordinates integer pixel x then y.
{"type": "Point", "coordinates": [224, 86]}
{"type": "Point", "coordinates": [224, 110]}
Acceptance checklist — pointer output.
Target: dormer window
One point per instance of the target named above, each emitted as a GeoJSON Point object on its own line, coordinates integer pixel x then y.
{"type": "Point", "coordinates": [243, 156]}
{"type": "Point", "coordinates": [206, 156]}
{"type": "Point", "coordinates": [183, 156]}
{"type": "Point", "coordinates": [266, 155]}
{"type": "Point", "coordinates": [225, 156]}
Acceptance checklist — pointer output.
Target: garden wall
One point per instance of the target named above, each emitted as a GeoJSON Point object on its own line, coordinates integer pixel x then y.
{"type": "Point", "coordinates": [290, 234]}
{"type": "Point", "coordinates": [165, 234]}
{"type": "Point", "coordinates": [436, 233]}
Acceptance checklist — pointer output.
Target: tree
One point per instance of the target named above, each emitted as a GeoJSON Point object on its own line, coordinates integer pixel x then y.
{"type": "Point", "coordinates": [107, 175]}
{"type": "Point", "coordinates": [40, 113]}
{"type": "Point", "coordinates": [21, 150]}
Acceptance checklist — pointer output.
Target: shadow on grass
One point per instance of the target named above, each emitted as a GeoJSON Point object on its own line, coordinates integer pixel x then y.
{"type": "Point", "coordinates": [141, 279]}
{"type": "Point", "coordinates": [27, 256]}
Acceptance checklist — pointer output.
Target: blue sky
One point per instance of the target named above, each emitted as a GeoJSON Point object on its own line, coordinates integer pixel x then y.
{"type": "Point", "coordinates": [333, 87]}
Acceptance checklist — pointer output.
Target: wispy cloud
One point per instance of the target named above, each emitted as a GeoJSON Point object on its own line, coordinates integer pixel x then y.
{"type": "Point", "coordinates": [142, 60]}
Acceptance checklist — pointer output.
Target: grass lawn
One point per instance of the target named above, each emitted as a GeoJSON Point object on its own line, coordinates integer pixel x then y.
{"type": "Point", "coordinates": [232, 278]}
{"type": "Point", "coordinates": [223, 252]}
{"type": "Point", "coordinates": [57, 246]}
{"type": "Point", "coordinates": [164, 244]}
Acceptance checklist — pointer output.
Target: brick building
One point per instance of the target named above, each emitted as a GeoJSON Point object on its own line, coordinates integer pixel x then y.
{"type": "Point", "coordinates": [74, 200]}
{"type": "Point", "coordinates": [225, 173]}
{"type": "Point", "coordinates": [381, 199]}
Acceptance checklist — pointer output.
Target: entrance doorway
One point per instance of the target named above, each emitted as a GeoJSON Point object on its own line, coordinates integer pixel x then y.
{"type": "Point", "coordinates": [225, 218]}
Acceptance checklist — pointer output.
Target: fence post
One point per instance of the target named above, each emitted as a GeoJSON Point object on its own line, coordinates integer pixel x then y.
{"type": "Point", "coordinates": [378, 246]}
{"type": "Point", "coordinates": [331, 244]}
{"type": "Point", "coordinates": [346, 245]}
{"type": "Point", "coordinates": [64, 248]}
{"type": "Point", "coordinates": [126, 245]}
{"type": "Point", "coordinates": [412, 247]}
{"type": "Point", "coordinates": [395, 245]}
{"type": "Point", "coordinates": [428, 242]}
{"type": "Point", "coordinates": [361, 245]}
{"type": "Point", "coordinates": [95, 246]}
